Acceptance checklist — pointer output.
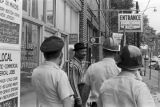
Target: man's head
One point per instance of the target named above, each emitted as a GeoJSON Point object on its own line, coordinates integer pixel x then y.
{"type": "Point", "coordinates": [131, 58]}
{"type": "Point", "coordinates": [80, 50]}
{"type": "Point", "coordinates": [110, 47]}
{"type": "Point", "coordinates": [52, 47]}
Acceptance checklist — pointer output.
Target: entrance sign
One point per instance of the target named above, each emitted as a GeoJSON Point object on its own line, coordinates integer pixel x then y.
{"type": "Point", "coordinates": [131, 22]}
{"type": "Point", "coordinates": [10, 52]}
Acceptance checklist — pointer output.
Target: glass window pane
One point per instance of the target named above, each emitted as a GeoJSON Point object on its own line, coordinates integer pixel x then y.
{"type": "Point", "coordinates": [34, 9]}
{"type": "Point", "coordinates": [49, 11]}
{"type": "Point", "coordinates": [40, 10]}
{"type": "Point", "coordinates": [25, 5]}
{"type": "Point", "coordinates": [29, 56]}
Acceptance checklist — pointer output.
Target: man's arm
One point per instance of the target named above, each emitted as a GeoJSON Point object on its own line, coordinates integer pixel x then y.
{"type": "Point", "coordinates": [73, 76]}
{"type": "Point", "coordinates": [68, 102]}
{"type": "Point", "coordinates": [144, 97]}
{"type": "Point", "coordinates": [65, 91]}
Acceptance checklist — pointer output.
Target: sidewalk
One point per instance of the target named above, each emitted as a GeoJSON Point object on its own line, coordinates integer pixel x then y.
{"type": "Point", "coordinates": [28, 100]}
{"type": "Point", "coordinates": [153, 85]}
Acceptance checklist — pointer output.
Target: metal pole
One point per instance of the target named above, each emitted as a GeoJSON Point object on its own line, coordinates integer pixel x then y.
{"type": "Point", "coordinates": [150, 65]}
{"type": "Point", "coordinates": [145, 65]}
{"type": "Point", "coordinates": [99, 17]}
{"type": "Point", "coordinates": [138, 34]}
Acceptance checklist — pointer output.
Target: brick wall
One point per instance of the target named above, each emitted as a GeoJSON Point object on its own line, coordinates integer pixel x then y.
{"type": "Point", "coordinates": [83, 23]}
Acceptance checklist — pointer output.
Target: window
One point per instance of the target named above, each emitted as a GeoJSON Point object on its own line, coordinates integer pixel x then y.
{"type": "Point", "coordinates": [41, 9]}
{"type": "Point", "coordinates": [29, 54]}
{"type": "Point", "coordinates": [34, 8]}
{"type": "Point", "coordinates": [50, 10]}
{"type": "Point", "coordinates": [26, 6]}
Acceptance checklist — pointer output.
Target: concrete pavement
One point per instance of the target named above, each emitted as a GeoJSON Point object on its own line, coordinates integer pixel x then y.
{"type": "Point", "coordinates": [28, 100]}
{"type": "Point", "coordinates": [153, 85]}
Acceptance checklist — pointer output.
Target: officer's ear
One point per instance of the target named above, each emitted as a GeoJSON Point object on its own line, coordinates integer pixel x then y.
{"type": "Point", "coordinates": [61, 55]}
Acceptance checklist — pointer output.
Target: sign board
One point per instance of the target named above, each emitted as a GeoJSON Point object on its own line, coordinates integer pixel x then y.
{"type": "Point", "coordinates": [10, 52]}
{"type": "Point", "coordinates": [95, 40]}
{"type": "Point", "coordinates": [117, 36]}
{"type": "Point", "coordinates": [131, 22]}
{"type": "Point", "coordinates": [73, 38]}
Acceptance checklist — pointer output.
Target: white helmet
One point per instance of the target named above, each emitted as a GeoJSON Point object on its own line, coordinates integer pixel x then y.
{"type": "Point", "coordinates": [111, 44]}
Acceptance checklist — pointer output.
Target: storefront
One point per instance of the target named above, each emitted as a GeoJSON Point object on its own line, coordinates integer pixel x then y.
{"type": "Point", "coordinates": [38, 23]}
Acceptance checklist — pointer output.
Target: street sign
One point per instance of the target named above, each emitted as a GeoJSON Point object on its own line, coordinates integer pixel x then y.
{"type": "Point", "coordinates": [131, 22]}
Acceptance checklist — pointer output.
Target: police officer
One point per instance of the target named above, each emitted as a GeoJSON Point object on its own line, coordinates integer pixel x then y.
{"type": "Point", "coordinates": [125, 90]}
{"type": "Point", "coordinates": [100, 71]}
{"type": "Point", "coordinates": [49, 81]}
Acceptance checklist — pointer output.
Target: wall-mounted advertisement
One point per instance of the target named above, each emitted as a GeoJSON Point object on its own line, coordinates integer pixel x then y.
{"type": "Point", "coordinates": [9, 78]}
{"type": "Point", "coordinates": [130, 22]}
{"type": "Point", "coordinates": [10, 49]}
{"type": "Point", "coordinates": [10, 21]}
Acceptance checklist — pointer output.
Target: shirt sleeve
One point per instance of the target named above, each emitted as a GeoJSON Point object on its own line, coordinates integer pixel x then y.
{"type": "Point", "coordinates": [64, 88]}
{"type": "Point", "coordinates": [144, 98]}
{"type": "Point", "coordinates": [73, 77]}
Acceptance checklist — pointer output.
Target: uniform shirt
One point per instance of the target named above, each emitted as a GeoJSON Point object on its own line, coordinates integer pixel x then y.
{"type": "Point", "coordinates": [75, 75]}
{"type": "Point", "coordinates": [51, 85]}
{"type": "Point", "coordinates": [97, 73]}
{"type": "Point", "coordinates": [125, 91]}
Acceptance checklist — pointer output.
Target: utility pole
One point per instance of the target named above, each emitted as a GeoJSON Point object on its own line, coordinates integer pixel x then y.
{"type": "Point", "coordinates": [138, 34]}
{"type": "Point", "coordinates": [99, 33]}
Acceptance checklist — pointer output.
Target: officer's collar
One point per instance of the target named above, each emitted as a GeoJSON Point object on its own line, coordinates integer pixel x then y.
{"type": "Point", "coordinates": [50, 63]}
{"type": "Point", "coordinates": [127, 74]}
{"type": "Point", "coordinates": [108, 58]}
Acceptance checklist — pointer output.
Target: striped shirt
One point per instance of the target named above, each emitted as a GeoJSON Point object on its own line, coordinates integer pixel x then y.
{"type": "Point", "coordinates": [75, 75]}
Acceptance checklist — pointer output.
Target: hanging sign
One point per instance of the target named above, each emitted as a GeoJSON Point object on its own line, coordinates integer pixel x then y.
{"type": "Point", "coordinates": [131, 22]}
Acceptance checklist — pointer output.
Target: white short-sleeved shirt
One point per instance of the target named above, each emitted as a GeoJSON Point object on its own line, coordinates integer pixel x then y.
{"type": "Point", "coordinates": [125, 91]}
{"type": "Point", "coordinates": [51, 85]}
{"type": "Point", "coordinates": [97, 73]}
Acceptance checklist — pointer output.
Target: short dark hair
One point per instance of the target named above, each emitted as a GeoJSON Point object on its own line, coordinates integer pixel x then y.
{"type": "Point", "coordinates": [51, 55]}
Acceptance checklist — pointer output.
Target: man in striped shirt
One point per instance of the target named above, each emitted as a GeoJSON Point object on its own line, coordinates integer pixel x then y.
{"type": "Point", "coordinates": [76, 72]}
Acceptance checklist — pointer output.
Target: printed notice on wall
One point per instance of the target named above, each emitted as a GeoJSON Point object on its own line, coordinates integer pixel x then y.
{"type": "Point", "coordinates": [10, 43]}
{"type": "Point", "coordinates": [9, 78]}
{"type": "Point", "coordinates": [10, 20]}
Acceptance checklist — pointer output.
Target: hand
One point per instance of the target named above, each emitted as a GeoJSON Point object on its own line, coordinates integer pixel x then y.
{"type": "Point", "coordinates": [78, 101]}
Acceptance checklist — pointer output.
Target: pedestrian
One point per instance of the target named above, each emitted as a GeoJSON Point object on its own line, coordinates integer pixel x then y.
{"type": "Point", "coordinates": [125, 90]}
{"type": "Point", "coordinates": [100, 71]}
{"type": "Point", "coordinates": [51, 84]}
{"type": "Point", "coordinates": [76, 72]}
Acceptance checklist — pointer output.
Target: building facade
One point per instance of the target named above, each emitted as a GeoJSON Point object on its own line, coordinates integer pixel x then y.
{"type": "Point", "coordinates": [94, 24]}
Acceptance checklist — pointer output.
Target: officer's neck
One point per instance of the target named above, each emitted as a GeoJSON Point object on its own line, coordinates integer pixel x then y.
{"type": "Point", "coordinates": [56, 61]}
